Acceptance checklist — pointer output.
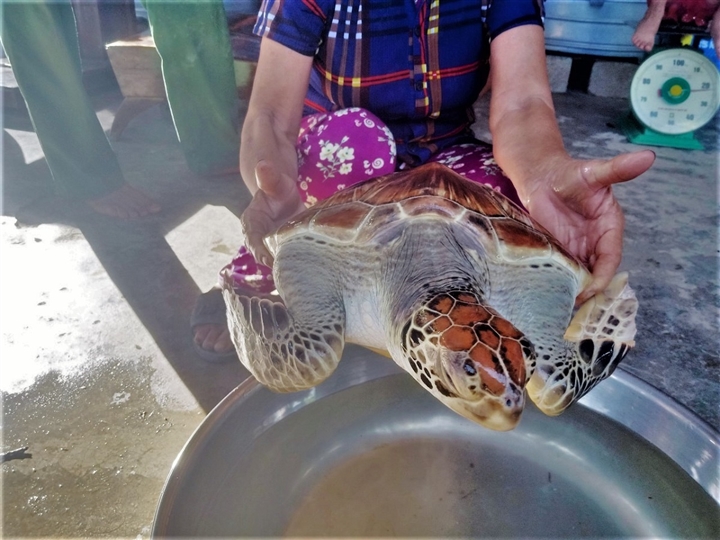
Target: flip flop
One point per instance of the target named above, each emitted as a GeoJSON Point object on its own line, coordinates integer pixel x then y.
{"type": "Point", "coordinates": [210, 309]}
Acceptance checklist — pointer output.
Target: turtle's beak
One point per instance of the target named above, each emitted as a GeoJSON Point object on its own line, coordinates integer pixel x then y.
{"type": "Point", "coordinates": [467, 395]}
{"type": "Point", "coordinates": [492, 413]}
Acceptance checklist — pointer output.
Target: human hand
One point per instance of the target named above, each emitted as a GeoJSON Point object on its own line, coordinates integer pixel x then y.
{"type": "Point", "coordinates": [276, 201]}
{"type": "Point", "coordinates": [573, 199]}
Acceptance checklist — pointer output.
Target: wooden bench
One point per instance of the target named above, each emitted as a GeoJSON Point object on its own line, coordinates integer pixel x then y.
{"type": "Point", "coordinates": [136, 64]}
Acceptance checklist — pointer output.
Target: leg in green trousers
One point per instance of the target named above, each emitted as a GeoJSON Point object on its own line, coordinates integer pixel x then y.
{"type": "Point", "coordinates": [40, 39]}
{"type": "Point", "coordinates": [193, 41]}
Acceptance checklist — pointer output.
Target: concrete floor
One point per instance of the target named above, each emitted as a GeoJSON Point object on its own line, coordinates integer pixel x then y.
{"type": "Point", "coordinates": [99, 376]}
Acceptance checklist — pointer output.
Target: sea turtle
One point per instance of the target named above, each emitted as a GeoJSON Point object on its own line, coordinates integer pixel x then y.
{"type": "Point", "coordinates": [458, 285]}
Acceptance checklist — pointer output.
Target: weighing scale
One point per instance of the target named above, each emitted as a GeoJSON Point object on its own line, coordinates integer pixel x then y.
{"type": "Point", "coordinates": [674, 93]}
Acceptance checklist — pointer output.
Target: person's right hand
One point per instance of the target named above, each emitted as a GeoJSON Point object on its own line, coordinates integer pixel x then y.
{"type": "Point", "coordinates": [276, 201]}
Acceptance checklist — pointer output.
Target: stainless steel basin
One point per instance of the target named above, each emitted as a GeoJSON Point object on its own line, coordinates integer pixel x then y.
{"type": "Point", "coordinates": [370, 453]}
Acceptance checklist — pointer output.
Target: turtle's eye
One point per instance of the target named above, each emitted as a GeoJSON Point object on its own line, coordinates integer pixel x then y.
{"type": "Point", "coordinates": [469, 368]}
{"type": "Point", "coordinates": [464, 375]}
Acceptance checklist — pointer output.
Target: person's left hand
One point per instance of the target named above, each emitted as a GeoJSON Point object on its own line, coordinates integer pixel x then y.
{"type": "Point", "coordinates": [573, 199]}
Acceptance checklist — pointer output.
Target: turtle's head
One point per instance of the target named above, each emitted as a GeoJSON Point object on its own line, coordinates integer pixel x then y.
{"type": "Point", "coordinates": [470, 358]}
{"type": "Point", "coordinates": [483, 394]}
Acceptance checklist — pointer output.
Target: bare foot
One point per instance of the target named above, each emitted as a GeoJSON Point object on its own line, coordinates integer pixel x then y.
{"type": "Point", "coordinates": [647, 28]}
{"type": "Point", "coordinates": [126, 202]}
{"type": "Point", "coordinates": [213, 338]}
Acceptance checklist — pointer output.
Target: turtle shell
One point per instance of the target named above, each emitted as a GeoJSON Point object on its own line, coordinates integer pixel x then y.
{"type": "Point", "coordinates": [360, 213]}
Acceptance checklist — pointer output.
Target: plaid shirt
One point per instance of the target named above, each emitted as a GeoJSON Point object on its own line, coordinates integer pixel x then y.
{"type": "Point", "coordinates": [418, 65]}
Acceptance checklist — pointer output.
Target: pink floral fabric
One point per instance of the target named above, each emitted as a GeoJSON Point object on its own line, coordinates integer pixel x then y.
{"type": "Point", "coordinates": [340, 149]}
{"type": "Point", "coordinates": [337, 150]}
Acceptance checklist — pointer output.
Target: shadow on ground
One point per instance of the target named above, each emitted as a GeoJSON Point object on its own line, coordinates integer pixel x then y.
{"type": "Point", "coordinates": [135, 254]}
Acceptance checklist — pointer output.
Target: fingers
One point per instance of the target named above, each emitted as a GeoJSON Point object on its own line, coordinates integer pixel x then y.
{"type": "Point", "coordinates": [622, 168]}
{"type": "Point", "coordinates": [276, 200]}
{"type": "Point", "coordinates": [629, 166]}
{"type": "Point", "coordinates": [607, 252]}
{"type": "Point", "coordinates": [254, 243]}
{"type": "Point", "coordinates": [256, 223]}
{"type": "Point", "coordinates": [603, 272]}
{"type": "Point", "coordinates": [607, 257]}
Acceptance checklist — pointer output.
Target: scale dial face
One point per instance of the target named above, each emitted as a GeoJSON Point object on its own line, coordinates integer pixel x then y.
{"type": "Point", "coordinates": [675, 91]}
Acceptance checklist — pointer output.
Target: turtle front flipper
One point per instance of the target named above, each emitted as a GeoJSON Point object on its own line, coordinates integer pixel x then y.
{"type": "Point", "coordinates": [469, 357]}
{"type": "Point", "coordinates": [286, 349]}
{"type": "Point", "coordinates": [599, 336]}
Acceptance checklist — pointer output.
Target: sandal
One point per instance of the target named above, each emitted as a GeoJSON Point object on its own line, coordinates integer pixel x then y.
{"type": "Point", "coordinates": [210, 309]}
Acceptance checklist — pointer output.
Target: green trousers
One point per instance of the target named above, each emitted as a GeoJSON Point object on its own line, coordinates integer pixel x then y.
{"type": "Point", "coordinates": [40, 39]}
{"type": "Point", "coordinates": [192, 39]}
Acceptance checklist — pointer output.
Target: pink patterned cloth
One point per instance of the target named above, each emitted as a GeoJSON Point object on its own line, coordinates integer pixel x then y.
{"type": "Point", "coordinates": [337, 150]}
{"type": "Point", "coordinates": [340, 149]}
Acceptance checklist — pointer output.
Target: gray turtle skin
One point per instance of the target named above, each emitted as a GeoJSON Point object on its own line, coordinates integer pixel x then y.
{"type": "Point", "coordinates": [461, 288]}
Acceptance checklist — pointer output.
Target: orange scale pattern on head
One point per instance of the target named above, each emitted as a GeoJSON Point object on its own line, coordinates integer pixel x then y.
{"type": "Point", "coordinates": [442, 304]}
{"type": "Point", "coordinates": [488, 336]}
{"type": "Point", "coordinates": [441, 324]}
{"type": "Point", "coordinates": [512, 352]}
{"type": "Point", "coordinates": [483, 356]}
{"type": "Point", "coordinates": [504, 328]}
{"type": "Point", "coordinates": [492, 343]}
{"type": "Point", "coordinates": [458, 338]}
{"type": "Point", "coordinates": [466, 315]}
{"type": "Point", "coordinates": [489, 369]}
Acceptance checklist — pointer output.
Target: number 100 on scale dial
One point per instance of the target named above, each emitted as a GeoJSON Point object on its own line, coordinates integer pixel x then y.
{"type": "Point", "coordinates": [675, 91]}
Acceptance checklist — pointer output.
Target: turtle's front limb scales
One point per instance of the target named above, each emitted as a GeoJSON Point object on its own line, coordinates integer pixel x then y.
{"type": "Point", "coordinates": [293, 345]}
{"type": "Point", "coordinates": [600, 334]}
